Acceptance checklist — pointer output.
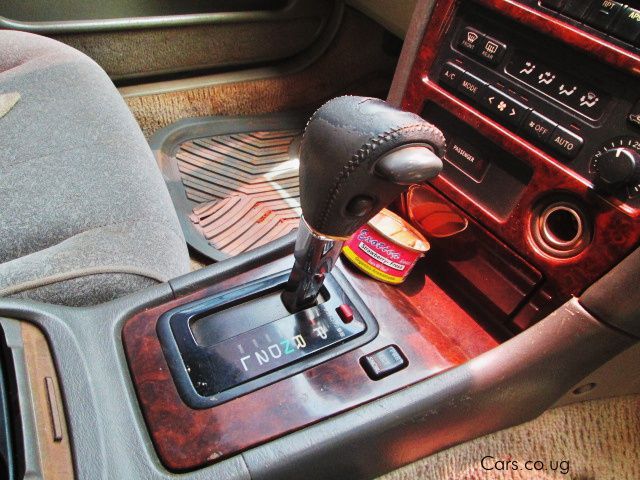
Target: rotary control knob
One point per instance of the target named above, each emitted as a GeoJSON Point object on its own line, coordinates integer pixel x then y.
{"type": "Point", "coordinates": [616, 166]}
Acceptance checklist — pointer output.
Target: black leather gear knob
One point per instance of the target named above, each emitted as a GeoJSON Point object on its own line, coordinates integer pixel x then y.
{"type": "Point", "coordinates": [357, 155]}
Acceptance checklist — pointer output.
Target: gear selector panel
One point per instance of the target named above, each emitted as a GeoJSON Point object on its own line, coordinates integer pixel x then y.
{"type": "Point", "coordinates": [243, 339]}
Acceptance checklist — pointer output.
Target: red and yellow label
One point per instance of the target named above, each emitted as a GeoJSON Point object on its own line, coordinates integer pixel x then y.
{"type": "Point", "coordinates": [379, 257]}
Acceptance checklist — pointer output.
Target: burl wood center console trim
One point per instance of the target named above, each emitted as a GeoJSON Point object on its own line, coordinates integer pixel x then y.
{"type": "Point", "coordinates": [432, 331]}
{"type": "Point", "coordinates": [616, 226]}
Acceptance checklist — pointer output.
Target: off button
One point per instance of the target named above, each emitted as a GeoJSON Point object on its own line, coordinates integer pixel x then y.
{"type": "Point", "coordinates": [565, 142]}
{"type": "Point", "coordinates": [538, 127]}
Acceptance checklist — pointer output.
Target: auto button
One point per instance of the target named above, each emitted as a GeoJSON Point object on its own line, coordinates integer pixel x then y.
{"type": "Point", "coordinates": [565, 142]}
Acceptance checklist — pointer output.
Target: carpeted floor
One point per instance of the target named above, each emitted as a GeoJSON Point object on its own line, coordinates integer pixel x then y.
{"type": "Point", "coordinates": [597, 440]}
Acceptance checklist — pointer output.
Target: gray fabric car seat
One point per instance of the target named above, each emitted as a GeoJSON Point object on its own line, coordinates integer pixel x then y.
{"type": "Point", "coordinates": [85, 215]}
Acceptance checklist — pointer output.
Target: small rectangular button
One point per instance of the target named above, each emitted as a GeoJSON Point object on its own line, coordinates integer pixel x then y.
{"type": "Point", "coordinates": [552, 4]}
{"type": "Point", "coordinates": [627, 26]}
{"type": "Point", "coordinates": [470, 39]}
{"type": "Point", "coordinates": [345, 313]}
{"type": "Point", "coordinates": [634, 115]}
{"type": "Point", "coordinates": [466, 157]}
{"type": "Point", "coordinates": [472, 86]}
{"type": "Point", "coordinates": [538, 127]}
{"type": "Point", "coordinates": [451, 75]}
{"type": "Point", "coordinates": [491, 50]}
{"type": "Point", "coordinates": [602, 14]}
{"type": "Point", "coordinates": [504, 106]}
{"type": "Point", "coordinates": [383, 362]}
{"type": "Point", "coordinates": [565, 142]}
{"type": "Point", "coordinates": [588, 102]}
{"type": "Point", "coordinates": [576, 8]}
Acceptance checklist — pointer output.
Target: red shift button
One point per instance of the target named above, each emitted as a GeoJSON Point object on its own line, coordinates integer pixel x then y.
{"type": "Point", "coordinates": [345, 313]}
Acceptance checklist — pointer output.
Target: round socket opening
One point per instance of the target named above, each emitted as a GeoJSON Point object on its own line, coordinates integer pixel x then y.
{"type": "Point", "coordinates": [560, 229]}
{"type": "Point", "coordinates": [562, 225]}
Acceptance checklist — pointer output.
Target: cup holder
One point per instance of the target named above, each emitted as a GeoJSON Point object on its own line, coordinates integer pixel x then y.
{"type": "Point", "coordinates": [561, 229]}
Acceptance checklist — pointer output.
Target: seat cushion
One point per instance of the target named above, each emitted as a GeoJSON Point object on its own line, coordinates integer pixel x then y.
{"type": "Point", "coordinates": [85, 215]}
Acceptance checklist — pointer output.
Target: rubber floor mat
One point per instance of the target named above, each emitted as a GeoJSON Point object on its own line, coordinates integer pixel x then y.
{"type": "Point", "coordinates": [233, 181]}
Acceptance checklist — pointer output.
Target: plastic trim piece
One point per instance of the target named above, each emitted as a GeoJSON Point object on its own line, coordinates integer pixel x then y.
{"type": "Point", "coordinates": [506, 386]}
{"type": "Point", "coordinates": [296, 64]}
{"type": "Point", "coordinates": [138, 23]}
{"type": "Point", "coordinates": [26, 416]}
{"type": "Point", "coordinates": [410, 47]}
{"type": "Point", "coordinates": [180, 348]}
{"type": "Point", "coordinates": [511, 384]}
{"type": "Point", "coordinates": [615, 298]}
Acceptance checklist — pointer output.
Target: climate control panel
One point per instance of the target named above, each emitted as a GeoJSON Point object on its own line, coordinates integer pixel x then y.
{"type": "Point", "coordinates": [570, 110]}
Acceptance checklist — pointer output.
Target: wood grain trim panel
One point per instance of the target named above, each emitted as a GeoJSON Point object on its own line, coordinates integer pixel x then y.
{"type": "Point", "coordinates": [434, 333]}
{"type": "Point", "coordinates": [615, 225]}
{"type": "Point", "coordinates": [53, 436]}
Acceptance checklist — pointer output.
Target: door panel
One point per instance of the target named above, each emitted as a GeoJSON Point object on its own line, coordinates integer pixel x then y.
{"type": "Point", "coordinates": [66, 10]}
{"type": "Point", "coordinates": [136, 39]}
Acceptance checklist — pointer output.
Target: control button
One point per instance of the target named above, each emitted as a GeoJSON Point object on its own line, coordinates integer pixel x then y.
{"type": "Point", "coordinates": [345, 313]}
{"type": "Point", "coordinates": [627, 26]}
{"type": "Point", "coordinates": [504, 106]}
{"type": "Point", "coordinates": [552, 4]}
{"type": "Point", "coordinates": [451, 75]}
{"type": "Point", "coordinates": [470, 39]}
{"type": "Point", "coordinates": [492, 50]}
{"type": "Point", "coordinates": [548, 80]}
{"type": "Point", "coordinates": [618, 166]}
{"type": "Point", "coordinates": [360, 205]}
{"type": "Point", "coordinates": [565, 142]}
{"type": "Point", "coordinates": [576, 8]}
{"type": "Point", "coordinates": [525, 68]}
{"type": "Point", "coordinates": [466, 157]}
{"type": "Point", "coordinates": [472, 86]}
{"type": "Point", "coordinates": [383, 362]}
{"type": "Point", "coordinates": [538, 127]}
{"type": "Point", "coordinates": [634, 115]}
{"type": "Point", "coordinates": [588, 102]}
{"type": "Point", "coordinates": [562, 88]}
{"type": "Point", "coordinates": [602, 14]}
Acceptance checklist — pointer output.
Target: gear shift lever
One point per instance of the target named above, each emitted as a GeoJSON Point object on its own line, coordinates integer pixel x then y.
{"type": "Point", "coordinates": [357, 155]}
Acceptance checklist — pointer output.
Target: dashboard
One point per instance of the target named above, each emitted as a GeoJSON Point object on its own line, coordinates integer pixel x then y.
{"type": "Point", "coordinates": [540, 108]}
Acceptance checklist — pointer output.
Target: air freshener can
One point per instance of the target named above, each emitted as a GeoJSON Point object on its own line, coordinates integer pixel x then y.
{"type": "Point", "coordinates": [386, 248]}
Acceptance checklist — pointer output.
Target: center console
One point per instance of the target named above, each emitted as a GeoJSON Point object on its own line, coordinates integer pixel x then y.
{"type": "Point", "coordinates": [541, 167]}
